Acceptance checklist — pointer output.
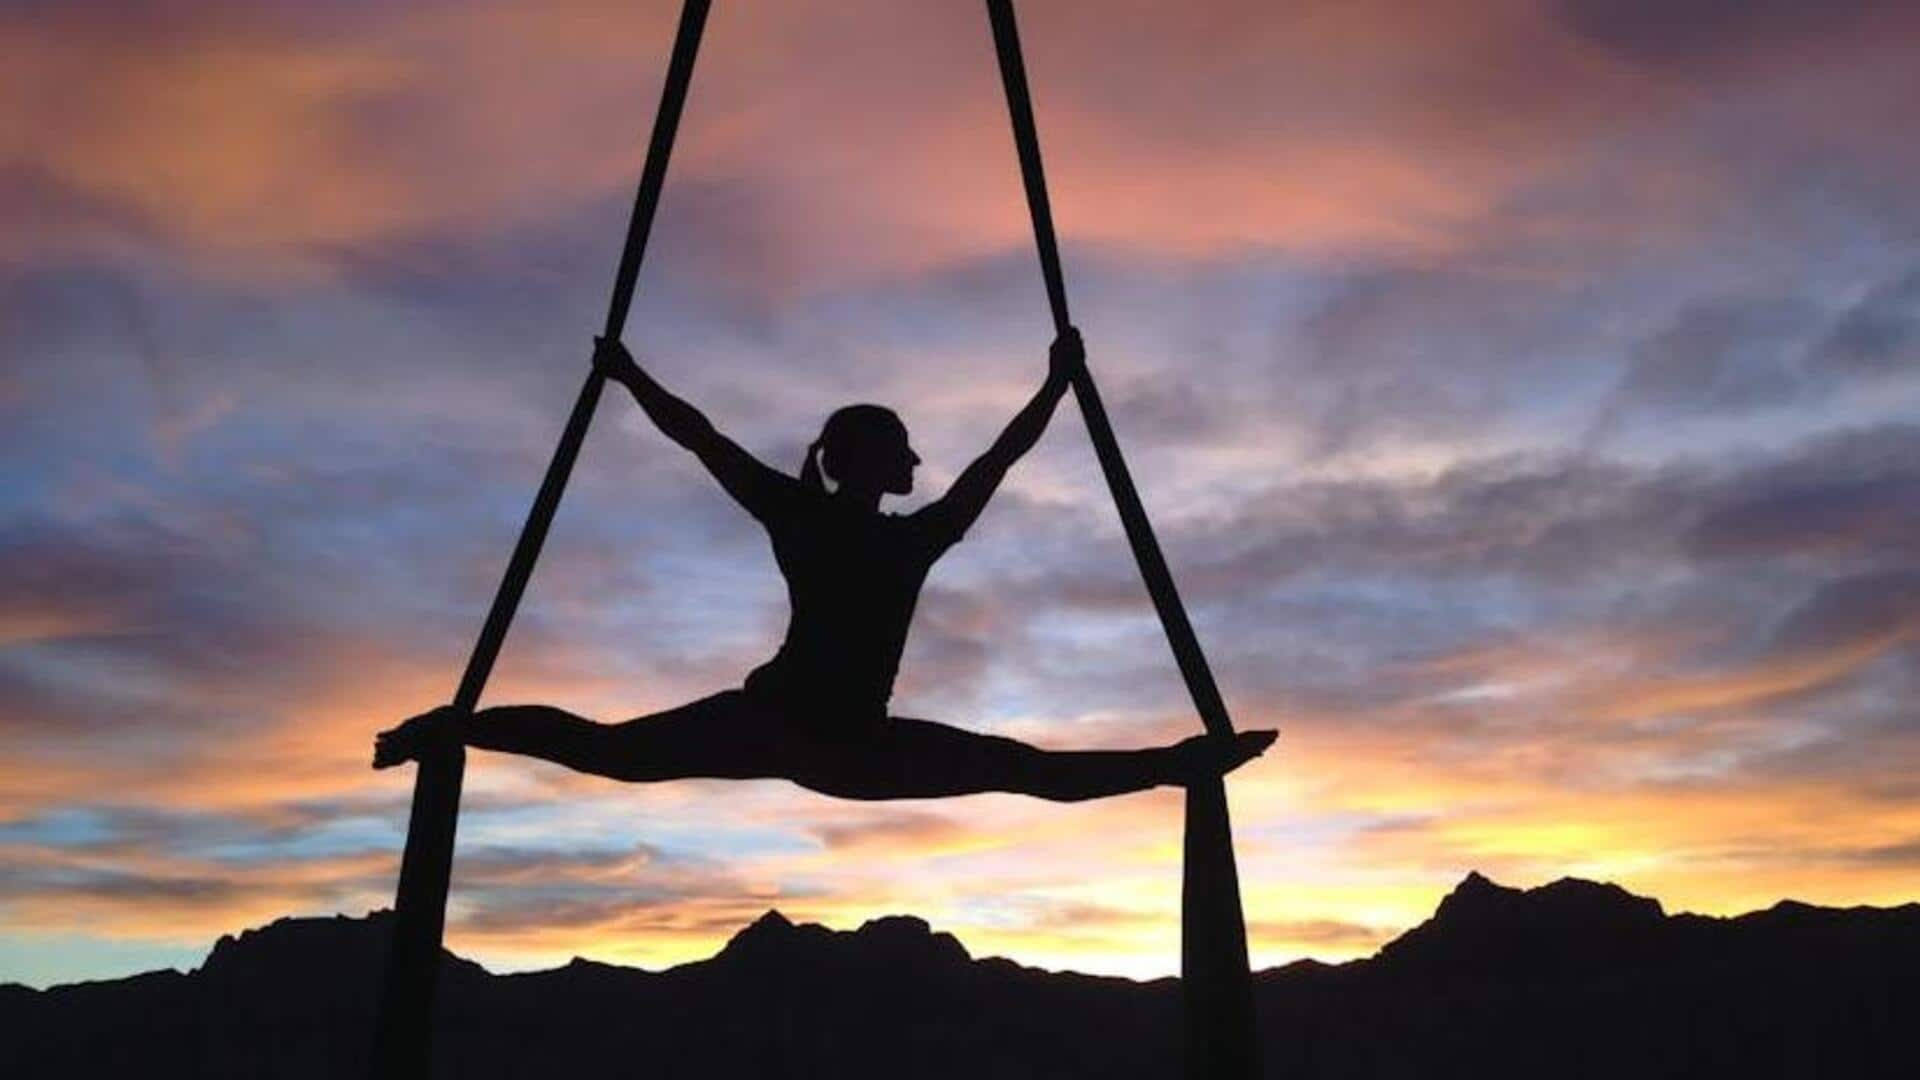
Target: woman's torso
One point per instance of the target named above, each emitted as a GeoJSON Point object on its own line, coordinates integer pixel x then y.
{"type": "Point", "coordinates": [853, 578]}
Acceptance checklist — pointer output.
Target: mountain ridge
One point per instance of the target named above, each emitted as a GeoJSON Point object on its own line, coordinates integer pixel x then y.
{"type": "Point", "coordinates": [1572, 978]}
{"type": "Point", "coordinates": [1469, 896]}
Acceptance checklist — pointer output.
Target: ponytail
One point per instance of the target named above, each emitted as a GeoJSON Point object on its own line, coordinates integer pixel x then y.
{"type": "Point", "coordinates": [810, 469]}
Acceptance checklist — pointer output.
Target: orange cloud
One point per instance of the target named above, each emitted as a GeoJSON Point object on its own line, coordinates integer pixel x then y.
{"type": "Point", "coordinates": [262, 139]}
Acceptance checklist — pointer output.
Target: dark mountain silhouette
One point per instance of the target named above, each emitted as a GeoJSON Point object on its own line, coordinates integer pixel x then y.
{"type": "Point", "coordinates": [1572, 979]}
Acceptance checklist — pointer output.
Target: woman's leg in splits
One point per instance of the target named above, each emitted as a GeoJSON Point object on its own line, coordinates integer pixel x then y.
{"type": "Point", "coordinates": [919, 759]}
{"type": "Point", "coordinates": [718, 737]}
{"type": "Point", "coordinates": [727, 737]}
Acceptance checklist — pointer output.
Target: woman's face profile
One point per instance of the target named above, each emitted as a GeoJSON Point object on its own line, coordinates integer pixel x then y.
{"type": "Point", "coordinates": [900, 462]}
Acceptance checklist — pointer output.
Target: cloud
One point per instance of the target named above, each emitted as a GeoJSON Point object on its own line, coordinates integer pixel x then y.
{"type": "Point", "coordinates": [277, 138]}
{"type": "Point", "coordinates": [160, 896]}
{"type": "Point", "coordinates": [1867, 517]}
{"type": "Point", "coordinates": [272, 129]}
{"type": "Point", "coordinates": [1880, 335]}
{"type": "Point", "coordinates": [918, 832]}
{"type": "Point", "coordinates": [1875, 611]}
{"type": "Point", "coordinates": [1689, 35]}
{"type": "Point", "coordinates": [1725, 355]}
{"type": "Point", "coordinates": [544, 892]}
{"type": "Point", "coordinates": [1318, 934]}
{"type": "Point", "coordinates": [1905, 854]}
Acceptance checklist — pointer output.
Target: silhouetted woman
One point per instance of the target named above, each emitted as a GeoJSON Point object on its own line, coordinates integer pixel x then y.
{"type": "Point", "coordinates": [816, 713]}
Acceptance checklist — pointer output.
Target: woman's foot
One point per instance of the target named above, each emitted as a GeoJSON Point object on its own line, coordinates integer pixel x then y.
{"type": "Point", "coordinates": [414, 738]}
{"type": "Point", "coordinates": [1208, 757]}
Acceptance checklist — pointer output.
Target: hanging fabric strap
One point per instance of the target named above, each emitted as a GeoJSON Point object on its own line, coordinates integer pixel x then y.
{"type": "Point", "coordinates": [1218, 990]}
{"type": "Point", "coordinates": [402, 1043]}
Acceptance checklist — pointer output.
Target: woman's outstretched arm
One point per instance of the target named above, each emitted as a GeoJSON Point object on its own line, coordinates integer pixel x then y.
{"type": "Point", "coordinates": [962, 503]}
{"type": "Point", "coordinates": [751, 483]}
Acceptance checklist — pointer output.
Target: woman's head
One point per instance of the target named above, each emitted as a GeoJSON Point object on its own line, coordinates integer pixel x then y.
{"type": "Point", "coordinates": [863, 448]}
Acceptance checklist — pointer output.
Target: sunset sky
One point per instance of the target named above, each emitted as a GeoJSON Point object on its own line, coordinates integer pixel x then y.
{"type": "Point", "coordinates": [1527, 393]}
